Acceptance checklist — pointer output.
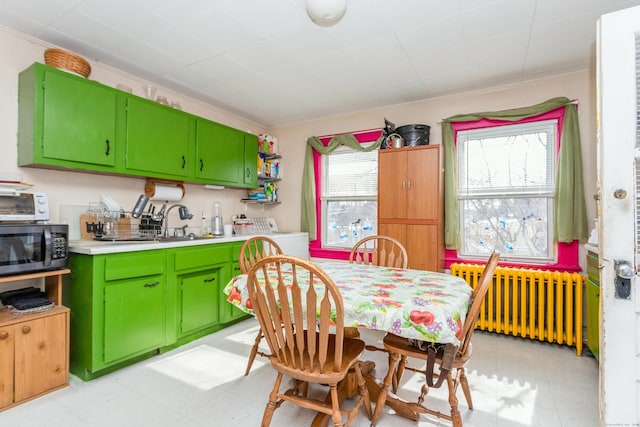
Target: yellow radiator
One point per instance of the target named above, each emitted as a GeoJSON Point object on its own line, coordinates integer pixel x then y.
{"type": "Point", "coordinates": [535, 304]}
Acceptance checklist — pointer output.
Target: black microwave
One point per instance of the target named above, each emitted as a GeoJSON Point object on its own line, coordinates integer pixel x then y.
{"type": "Point", "coordinates": [27, 248]}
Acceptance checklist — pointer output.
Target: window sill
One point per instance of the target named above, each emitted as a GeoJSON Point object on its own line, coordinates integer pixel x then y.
{"type": "Point", "coordinates": [339, 254]}
{"type": "Point", "coordinates": [567, 260]}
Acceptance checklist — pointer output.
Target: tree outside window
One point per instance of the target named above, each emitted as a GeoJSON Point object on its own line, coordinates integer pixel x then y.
{"type": "Point", "coordinates": [349, 197]}
{"type": "Point", "coordinates": [506, 190]}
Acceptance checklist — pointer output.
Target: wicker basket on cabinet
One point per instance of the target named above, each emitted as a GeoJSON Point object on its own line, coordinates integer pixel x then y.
{"type": "Point", "coordinates": [59, 58]}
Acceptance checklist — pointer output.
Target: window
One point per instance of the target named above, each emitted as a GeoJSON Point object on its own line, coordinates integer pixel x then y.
{"type": "Point", "coordinates": [506, 190]}
{"type": "Point", "coordinates": [349, 197]}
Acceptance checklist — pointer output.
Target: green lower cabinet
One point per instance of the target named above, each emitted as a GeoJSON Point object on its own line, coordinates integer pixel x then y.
{"type": "Point", "coordinates": [593, 303]}
{"type": "Point", "coordinates": [229, 312]}
{"type": "Point", "coordinates": [200, 274]}
{"type": "Point", "coordinates": [126, 307]}
{"type": "Point", "coordinates": [134, 317]}
{"type": "Point", "coordinates": [118, 304]}
{"type": "Point", "coordinates": [593, 318]}
{"type": "Point", "coordinates": [199, 300]}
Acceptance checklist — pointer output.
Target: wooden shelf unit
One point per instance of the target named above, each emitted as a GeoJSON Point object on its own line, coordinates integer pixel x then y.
{"type": "Point", "coordinates": [34, 348]}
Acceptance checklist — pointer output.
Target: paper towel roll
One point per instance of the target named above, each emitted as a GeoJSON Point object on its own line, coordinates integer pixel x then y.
{"type": "Point", "coordinates": [167, 193]}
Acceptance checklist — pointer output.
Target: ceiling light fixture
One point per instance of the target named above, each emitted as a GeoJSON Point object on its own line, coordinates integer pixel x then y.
{"type": "Point", "coordinates": [326, 12]}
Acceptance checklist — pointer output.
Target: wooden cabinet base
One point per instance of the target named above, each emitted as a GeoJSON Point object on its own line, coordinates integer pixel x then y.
{"type": "Point", "coordinates": [34, 348]}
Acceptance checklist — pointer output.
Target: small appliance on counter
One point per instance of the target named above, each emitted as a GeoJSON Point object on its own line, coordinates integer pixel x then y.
{"type": "Point", "coordinates": [27, 242]}
{"type": "Point", "coordinates": [217, 225]}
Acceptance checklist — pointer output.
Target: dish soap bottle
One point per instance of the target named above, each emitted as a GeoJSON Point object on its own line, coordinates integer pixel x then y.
{"type": "Point", "coordinates": [203, 225]}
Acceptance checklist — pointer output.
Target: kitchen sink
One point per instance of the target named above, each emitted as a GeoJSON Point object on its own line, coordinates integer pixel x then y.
{"type": "Point", "coordinates": [182, 238]}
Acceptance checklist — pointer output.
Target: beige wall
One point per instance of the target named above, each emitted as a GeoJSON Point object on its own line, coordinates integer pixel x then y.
{"type": "Point", "coordinates": [579, 86]}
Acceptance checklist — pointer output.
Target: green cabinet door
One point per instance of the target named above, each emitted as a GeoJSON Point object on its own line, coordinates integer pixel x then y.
{"type": "Point", "coordinates": [71, 120]}
{"type": "Point", "coordinates": [199, 295]}
{"type": "Point", "coordinates": [219, 153]}
{"type": "Point", "coordinates": [593, 317]}
{"type": "Point", "coordinates": [158, 140]}
{"type": "Point", "coordinates": [228, 311]}
{"type": "Point", "coordinates": [134, 317]}
{"type": "Point", "coordinates": [250, 178]}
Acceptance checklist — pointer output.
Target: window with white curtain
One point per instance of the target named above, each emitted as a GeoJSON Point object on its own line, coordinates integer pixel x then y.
{"type": "Point", "coordinates": [349, 196]}
{"type": "Point", "coordinates": [506, 190]}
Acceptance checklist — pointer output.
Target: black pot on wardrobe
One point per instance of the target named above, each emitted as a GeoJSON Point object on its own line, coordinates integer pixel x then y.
{"type": "Point", "coordinates": [414, 134]}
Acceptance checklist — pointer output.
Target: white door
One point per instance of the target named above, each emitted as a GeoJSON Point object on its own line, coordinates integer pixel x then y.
{"type": "Point", "coordinates": [618, 124]}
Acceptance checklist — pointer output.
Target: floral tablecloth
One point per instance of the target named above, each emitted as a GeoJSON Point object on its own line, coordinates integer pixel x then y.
{"type": "Point", "coordinates": [417, 304]}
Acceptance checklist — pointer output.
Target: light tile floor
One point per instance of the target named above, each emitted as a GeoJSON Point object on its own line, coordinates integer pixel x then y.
{"type": "Point", "coordinates": [514, 383]}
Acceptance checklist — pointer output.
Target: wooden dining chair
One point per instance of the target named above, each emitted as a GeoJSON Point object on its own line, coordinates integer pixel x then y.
{"type": "Point", "coordinates": [399, 347]}
{"type": "Point", "coordinates": [252, 251]}
{"type": "Point", "coordinates": [300, 311]}
{"type": "Point", "coordinates": [379, 250]}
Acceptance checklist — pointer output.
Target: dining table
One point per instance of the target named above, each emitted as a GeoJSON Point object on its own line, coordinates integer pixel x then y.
{"type": "Point", "coordinates": [417, 304]}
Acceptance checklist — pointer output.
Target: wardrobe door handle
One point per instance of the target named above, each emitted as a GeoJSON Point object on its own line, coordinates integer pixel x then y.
{"type": "Point", "coordinates": [26, 329]}
{"type": "Point", "coordinates": [108, 144]}
{"type": "Point", "coordinates": [184, 162]}
{"type": "Point", "coordinates": [201, 165]}
{"type": "Point", "coordinates": [4, 335]}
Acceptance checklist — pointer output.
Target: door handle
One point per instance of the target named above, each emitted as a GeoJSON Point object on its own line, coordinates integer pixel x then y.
{"type": "Point", "coordinates": [108, 144]}
{"type": "Point", "coordinates": [624, 274]}
{"type": "Point", "coordinates": [213, 279]}
{"type": "Point", "coordinates": [201, 165]}
{"type": "Point", "coordinates": [151, 285]}
{"type": "Point", "coordinates": [184, 162]}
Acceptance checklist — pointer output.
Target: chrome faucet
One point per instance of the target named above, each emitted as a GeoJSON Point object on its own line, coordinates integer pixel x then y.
{"type": "Point", "coordinates": [184, 214]}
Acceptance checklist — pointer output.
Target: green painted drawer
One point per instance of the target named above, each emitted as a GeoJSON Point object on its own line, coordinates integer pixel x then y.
{"type": "Point", "coordinates": [133, 264]}
{"type": "Point", "coordinates": [201, 256]}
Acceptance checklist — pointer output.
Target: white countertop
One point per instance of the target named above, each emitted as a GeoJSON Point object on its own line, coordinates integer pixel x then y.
{"type": "Point", "coordinates": [98, 247]}
{"type": "Point", "coordinates": [591, 247]}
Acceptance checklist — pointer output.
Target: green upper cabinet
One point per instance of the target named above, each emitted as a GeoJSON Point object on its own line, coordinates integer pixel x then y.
{"type": "Point", "coordinates": [225, 156]}
{"type": "Point", "coordinates": [219, 153]}
{"type": "Point", "coordinates": [157, 139]}
{"type": "Point", "coordinates": [65, 120]}
{"type": "Point", "coordinates": [250, 179]}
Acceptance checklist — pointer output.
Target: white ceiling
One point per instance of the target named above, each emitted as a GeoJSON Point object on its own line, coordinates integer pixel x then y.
{"type": "Point", "coordinates": [266, 61]}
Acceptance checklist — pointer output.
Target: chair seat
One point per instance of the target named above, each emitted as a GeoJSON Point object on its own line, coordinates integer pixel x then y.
{"type": "Point", "coordinates": [403, 347]}
{"type": "Point", "coordinates": [352, 349]}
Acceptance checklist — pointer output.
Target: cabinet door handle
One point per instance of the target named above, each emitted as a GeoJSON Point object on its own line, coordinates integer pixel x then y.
{"type": "Point", "coordinates": [151, 285]}
{"type": "Point", "coordinates": [402, 185]}
{"type": "Point", "coordinates": [213, 279]}
{"type": "Point", "coordinates": [108, 144]}
{"type": "Point", "coordinates": [26, 329]}
{"type": "Point", "coordinates": [4, 335]}
{"type": "Point", "coordinates": [248, 172]}
{"type": "Point", "coordinates": [184, 162]}
{"type": "Point", "coordinates": [201, 165]}
{"type": "Point", "coordinates": [409, 184]}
